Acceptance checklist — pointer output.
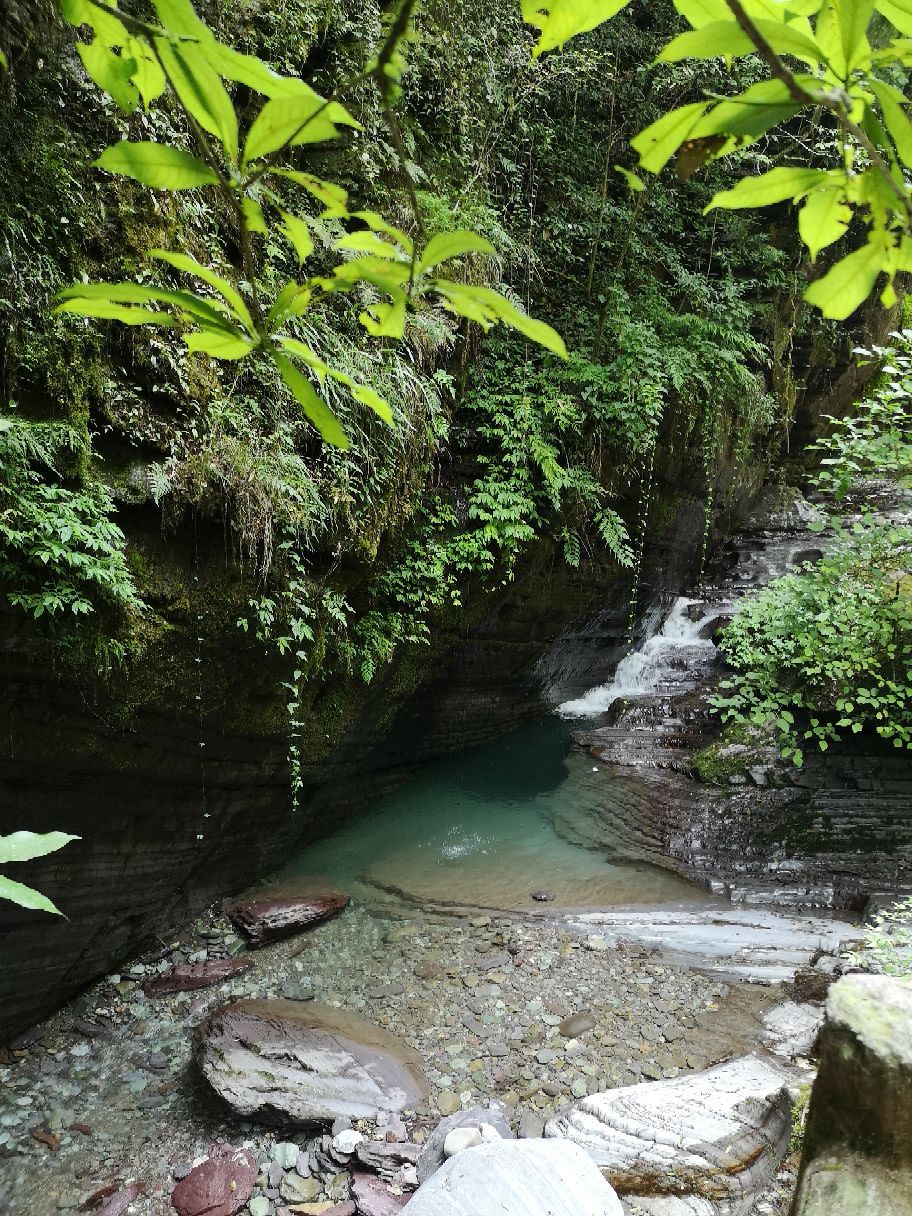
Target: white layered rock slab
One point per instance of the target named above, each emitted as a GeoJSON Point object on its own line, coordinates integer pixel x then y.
{"type": "Point", "coordinates": [717, 1135]}
{"type": "Point", "coordinates": [517, 1178]}
{"type": "Point", "coordinates": [790, 1030]}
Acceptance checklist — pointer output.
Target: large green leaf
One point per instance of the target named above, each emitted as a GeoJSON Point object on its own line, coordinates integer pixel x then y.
{"type": "Point", "coordinates": [26, 897]}
{"type": "Point", "coordinates": [486, 306]}
{"type": "Point", "coordinates": [750, 114]}
{"type": "Point", "coordinates": [219, 343]}
{"type": "Point", "coordinates": [112, 73]}
{"type": "Point", "coordinates": [179, 17]}
{"type": "Point", "coordinates": [658, 143]}
{"type": "Point", "coordinates": [110, 29]}
{"type": "Point", "coordinates": [897, 11]}
{"type": "Point", "coordinates": [385, 320]}
{"type": "Point", "coordinates": [107, 311]}
{"type": "Point", "coordinates": [776, 186]}
{"type": "Point", "coordinates": [560, 20]}
{"type": "Point", "coordinates": [246, 69]}
{"type": "Point", "coordinates": [148, 77]}
{"type": "Point", "coordinates": [725, 39]}
{"type": "Point", "coordinates": [311, 403]}
{"type": "Point", "coordinates": [823, 219]}
{"type": "Point", "coordinates": [201, 91]}
{"type": "Point", "coordinates": [226, 289]}
{"type": "Point", "coordinates": [363, 394]}
{"type": "Point", "coordinates": [299, 116]}
{"type": "Point", "coordinates": [895, 118]}
{"type": "Point", "coordinates": [841, 32]}
{"type": "Point", "coordinates": [448, 245]}
{"type": "Point", "coordinates": [157, 165]}
{"type": "Point", "coordinates": [24, 846]}
{"type": "Point", "coordinates": [848, 284]}
{"type": "Point", "coordinates": [137, 293]}
{"type": "Point", "coordinates": [298, 233]}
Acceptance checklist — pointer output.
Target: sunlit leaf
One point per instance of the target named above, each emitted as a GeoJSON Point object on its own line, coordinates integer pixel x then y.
{"type": "Point", "coordinates": [26, 897]}
{"type": "Point", "coordinates": [454, 244]}
{"type": "Point", "coordinates": [385, 320]}
{"type": "Point", "coordinates": [724, 39]}
{"type": "Point", "coordinates": [219, 344]}
{"type": "Point", "coordinates": [148, 76]}
{"type": "Point", "coordinates": [823, 219]}
{"type": "Point", "coordinates": [157, 165]}
{"type": "Point", "coordinates": [897, 121]}
{"type": "Point", "coordinates": [24, 846]}
{"type": "Point", "coordinates": [227, 290]}
{"type": "Point", "coordinates": [112, 73]}
{"type": "Point", "coordinates": [298, 233]}
{"type": "Point", "coordinates": [333, 197]}
{"type": "Point", "coordinates": [310, 401]}
{"type": "Point", "coordinates": [201, 91]}
{"type": "Point", "coordinates": [658, 143]}
{"type": "Point", "coordinates": [561, 20]}
{"type": "Point", "coordinates": [300, 116]}
{"type": "Point", "coordinates": [776, 186]}
{"type": "Point", "coordinates": [633, 180]}
{"type": "Point", "coordinates": [848, 284]}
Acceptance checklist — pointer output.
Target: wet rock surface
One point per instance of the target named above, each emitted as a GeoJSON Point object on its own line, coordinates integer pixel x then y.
{"type": "Point", "coordinates": [305, 1063]}
{"type": "Point", "coordinates": [218, 1186]}
{"type": "Point", "coordinates": [188, 978]}
{"type": "Point", "coordinates": [517, 1178]}
{"type": "Point", "coordinates": [717, 1135]}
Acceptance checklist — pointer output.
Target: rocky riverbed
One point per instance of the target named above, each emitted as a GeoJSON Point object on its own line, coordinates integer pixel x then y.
{"type": "Point", "coordinates": [524, 1011]}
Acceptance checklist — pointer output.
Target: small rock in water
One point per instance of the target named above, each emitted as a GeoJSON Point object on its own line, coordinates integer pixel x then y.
{"type": "Point", "coordinates": [542, 897]}
{"type": "Point", "coordinates": [270, 917]}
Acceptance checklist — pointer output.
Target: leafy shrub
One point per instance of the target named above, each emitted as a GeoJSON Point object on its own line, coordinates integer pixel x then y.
{"type": "Point", "coordinates": [887, 948]}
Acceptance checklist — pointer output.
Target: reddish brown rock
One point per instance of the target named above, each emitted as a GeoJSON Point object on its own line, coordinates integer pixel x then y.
{"type": "Point", "coordinates": [219, 1186]}
{"type": "Point", "coordinates": [199, 975]}
{"type": "Point", "coordinates": [269, 917]}
{"type": "Point", "coordinates": [374, 1197]}
{"type": "Point", "coordinates": [118, 1203]}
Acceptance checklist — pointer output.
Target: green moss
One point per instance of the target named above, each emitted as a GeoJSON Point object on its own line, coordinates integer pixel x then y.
{"type": "Point", "coordinates": [729, 756]}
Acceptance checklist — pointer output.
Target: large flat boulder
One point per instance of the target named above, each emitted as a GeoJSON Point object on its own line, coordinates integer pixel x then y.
{"type": "Point", "coordinates": [716, 1135]}
{"type": "Point", "coordinates": [517, 1178]}
{"type": "Point", "coordinates": [284, 1061]}
{"type": "Point", "coordinates": [857, 1158]}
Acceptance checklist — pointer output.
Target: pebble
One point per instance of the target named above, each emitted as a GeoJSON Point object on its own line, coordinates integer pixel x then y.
{"type": "Point", "coordinates": [461, 1138]}
{"type": "Point", "coordinates": [284, 1154]}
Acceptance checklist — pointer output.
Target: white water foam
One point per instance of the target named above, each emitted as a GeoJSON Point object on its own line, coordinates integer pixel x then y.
{"type": "Point", "coordinates": [640, 673]}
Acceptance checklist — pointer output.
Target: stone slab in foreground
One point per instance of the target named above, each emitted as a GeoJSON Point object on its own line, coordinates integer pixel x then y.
{"type": "Point", "coordinates": [282, 913]}
{"type": "Point", "coordinates": [517, 1178]}
{"type": "Point", "coordinates": [283, 1061]}
{"type": "Point", "coordinates": [716, 1135]}
{"type": "Point", "coordinates": [858, 1144]}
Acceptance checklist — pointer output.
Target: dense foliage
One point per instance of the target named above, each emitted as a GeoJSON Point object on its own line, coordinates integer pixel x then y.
{"type": "Point", "coordinates": [828, 650]}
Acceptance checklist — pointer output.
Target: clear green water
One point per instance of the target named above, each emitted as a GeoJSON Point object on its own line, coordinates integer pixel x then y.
{"type": "Point", "coordinates": [479, 830]}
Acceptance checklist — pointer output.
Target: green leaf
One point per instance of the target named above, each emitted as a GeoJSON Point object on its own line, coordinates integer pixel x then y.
{"type": "Point", "coordinates": [823, 219]}
{"type": "Point", "coordinates": [385, 320]}
{"type": "Point", "coordinates": [486, 306]}
{"type": "Point", "coordinates": [106, 26]}
{"type": "Point", "coordinates": [201, 91]}
{"type": "Point", "coordinates": [561, 20]}
{"type": "Point", "coordinates": [726, 39]}
{"type": "Point", "coordinates": [377, 223]}
{"type": "Point", "coordinates": [246, 69]}
{"type": "Point", "coordinates": [658, 143]}
{"type": "Point", "coordinates": [300, 116]}
{"type": "Point", "coordinates": [298, 233]}
{"type": "Point", "coordinates": [848, 284]}
{"type": "Point", "coordinates": [148, 77]}
{"type": "Point", "coordinates": [157, 165]}
{"type": "Point", "coordinates": [24, 846]}
{"type": "Point", "coordinates": [311, 403]}
{"type": "Point", "coordinates": [373, 401]}
{"type": "Point", "coordinates": [227, 290]}
{"type": "Point", "coordinates": [899, 12]}
{"type": "Point", "coordinates": [752, 113]}
{"type": "Point", "coordinates": [895, 118]}
{"type": "Point", "coordinates": [179, 17]}
{"type": "Point", "coordinates": [3, 62]}
{"type": "Point", "coordinates": [840, 31]}
{"type": "Point", "coordinates": [136, 293]}
{"type": "Point", "coordinates": [112, 73]}
{"type": "Point", "coordinates": [333, 197]}
{"type": "Point", "coordinates": [368, 242]}
{"type": "Point", "coordinates": [454, 244]}
{"type": "Point", "coordinates": [219, 344]}
{"type": "Point", "coordinates": [633, 180]}
{"type": "Point", "coordinates": [26, 897]}
{"type": "Point", "coordinates": [253, 214]}
{"type": "Point", "coordinates": [105, 310]}
{"type": "Point", "coordinates": [776, 186]}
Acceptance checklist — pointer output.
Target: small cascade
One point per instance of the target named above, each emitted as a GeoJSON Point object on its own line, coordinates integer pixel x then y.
{"type": "Point", "coordinates": [665, 659]}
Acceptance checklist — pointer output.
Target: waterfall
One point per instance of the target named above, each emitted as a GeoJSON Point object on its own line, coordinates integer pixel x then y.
{"type": "Point", "coordinates": [643, 671]}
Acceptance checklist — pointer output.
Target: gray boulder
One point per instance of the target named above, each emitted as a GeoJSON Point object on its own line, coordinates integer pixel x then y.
{"type": "Point", "coordinates": [716, 1135]}
{"type": "Point", "coordinates": [857, 1158]}
{"type": "Point", "coordinates": [517, 1178]}
{"type": "Point", "coordinates": [283, 1061]}
{"type": "Point", "coordinates": [432, 1154]}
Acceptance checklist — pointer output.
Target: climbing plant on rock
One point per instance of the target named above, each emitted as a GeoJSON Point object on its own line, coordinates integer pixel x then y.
{"type": "Point", "coordinates": [839, 65]}
{"type": "Point", "coordinates": [251, 166]}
